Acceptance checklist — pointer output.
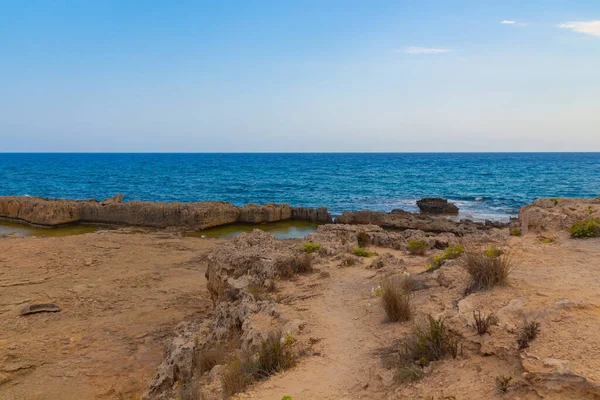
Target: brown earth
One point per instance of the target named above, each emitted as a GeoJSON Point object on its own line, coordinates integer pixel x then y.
{"type": "Point", "coordinates": [121, 296]}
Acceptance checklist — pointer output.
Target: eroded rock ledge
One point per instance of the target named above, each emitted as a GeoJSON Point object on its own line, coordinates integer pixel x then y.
{"type": "Point", "coordinates": [50, 212]}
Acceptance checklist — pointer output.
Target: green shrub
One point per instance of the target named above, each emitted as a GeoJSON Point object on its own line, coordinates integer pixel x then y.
{"type": "Point", "coordinates": [359, 251]}
{"type": "Point", "coordinates": [515, 232]}
{"type": "Point", "coordinates": [484, 271]}
{"type": "Point", "coordinates": [493, 252]}
{"type": "Point", "coordinates": [363, 239]}
{"type": "Point", "coordinates": [451, 253]}
{"type": "Point", "coordinates": [311, 247]}
{"type": "Point", "coordinates": [237, 375]}
{"type": "Point", "coordinates": [586, 229]}
{"type": "Point", "coordinates": [417, 247]}
{"type": "Point", "coordinates": [395, 299]}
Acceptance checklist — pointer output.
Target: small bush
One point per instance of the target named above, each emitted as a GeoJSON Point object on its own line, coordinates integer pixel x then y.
{"type": "Point", "coordinates": [451, 253]}
{"type": "Point", "coordinates": [395, 300]}
{"type": "Point", "coordinates": [430, 343]}
{"type": "Point", "coordinates": [515, 232]}
{"type": "Point", "coordinates": [274, 356]}
{"type": "Point", "coordinates": [503, 382]}
{"type": "Point", "coordinates": [527, 333]}
{"type": "Point", "coordinates": [586, 229]}
{"type": "Point", "coordinates": [590, 210]}
{"type": "Point", "coordinates": [359, 251]}
{"type": "Point", "coordinates": [408, 373]}
{"type": "Point", "coordinates": [417, 247]}
{"type": "Point", "coordinates": [311, 247]}
{"type": "Point", "coordinates": [483, 322]}
{"type": "Point", "coordinates": [485, 271]}
{"type": "Point", "coordinates": [555, 201]}
{"type": "Point", "coordinates": [363, 239]}
{"type": "Point", "coordinates": [493, 252]}
{"type": "Point", "coordinates": [237, 375]}
{"type": "Point", "coordinates": [545, 239]}
{"type": "Point", "coordinates": [349, 261]}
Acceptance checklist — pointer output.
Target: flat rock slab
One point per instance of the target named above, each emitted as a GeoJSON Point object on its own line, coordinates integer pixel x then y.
{"type": "Point", "coordinates": [38, 308]}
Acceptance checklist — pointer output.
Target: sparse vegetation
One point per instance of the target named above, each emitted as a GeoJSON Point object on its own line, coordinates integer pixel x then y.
{"type": "Point", "coordinates": [450, 253]}
{"type": "Point", "coordinates": [503, 382]}
{"type": "Point", "coordinates": [545, 239]}
{"type": "Point", "coordinates": [359, 251]}
{"type": "Point", "coordinates": [349, 261]}
{"type": "Point", "coordinates": [515, 232]}
{"type": "Point", "coordinates": [311, 247]}
{"type": "Point", "coordinates": [275, 355]}
{"type": "Point", "coordinates": [586, 229]}
{"type": "Point", "coordinates": [527, 333]}
{"type": "Point", "coordinates": [417, 247]}
{"type": "Point", "coordinates": [363, 239]}
{"type": "Point", "coordinates": [485, 271]}
{"type": "Point", "coordinates": [430, 343]}
{"type": "Point", "coordinates": [590, 210]}
{"type": "Point", "coordinates": [395, 300]}
{"type": "Point", "coordinates": [483, 322]}
{"type": "Point", "coordinates": [555, 201]}
{"type": "Point", "coordinates": [408, 373]}
{"type": "Point", "coordinates": [493, 252]}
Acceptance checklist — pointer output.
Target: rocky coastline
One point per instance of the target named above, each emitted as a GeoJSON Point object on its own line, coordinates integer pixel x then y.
{"type": "Point", "coordinates": [202, 215]}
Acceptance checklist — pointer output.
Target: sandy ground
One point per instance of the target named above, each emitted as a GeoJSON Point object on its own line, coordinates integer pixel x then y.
{"type": "Point", "coordinates": [556, 284]}
{"type": "Point", "coordinates": [121, 296]}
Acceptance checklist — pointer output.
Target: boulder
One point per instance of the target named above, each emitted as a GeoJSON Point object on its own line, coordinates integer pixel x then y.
{"type": "Point", "coordinates": [435, 205]}
{"type": "Point", "coordinates": [556, 215]}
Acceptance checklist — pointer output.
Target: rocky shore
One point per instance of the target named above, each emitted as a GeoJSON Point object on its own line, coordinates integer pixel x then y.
{"type": "Point", "coordinates": [193, 216]}
{"type": "Point", "coordinates": [158, 315]}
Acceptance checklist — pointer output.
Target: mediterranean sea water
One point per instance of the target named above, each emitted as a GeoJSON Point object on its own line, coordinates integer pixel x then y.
{"type": "Point", "coordinates": [484, 185]}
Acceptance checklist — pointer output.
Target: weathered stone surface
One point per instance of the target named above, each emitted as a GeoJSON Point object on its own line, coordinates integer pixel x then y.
{"type": "Point", "coordinates": [435, 205]}
{"type": "Point", "coordinates": [555, 215]}
{"type": "Point", "coordinates": [48, 212]}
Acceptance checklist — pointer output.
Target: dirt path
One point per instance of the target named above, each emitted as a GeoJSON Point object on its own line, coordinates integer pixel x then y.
{"type": "Point", "coordinates": [348, 323]}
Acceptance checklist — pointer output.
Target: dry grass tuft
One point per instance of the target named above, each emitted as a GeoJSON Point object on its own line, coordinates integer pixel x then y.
{"type": "Point", "coordinates": [430, 343]}
{"type": "Point", "coordinates": [395, 300]}
{"type": "Point", "coordinates": [483, 322]}
{"type": "Point", "coordinates": [503, 383]}
{"type": "Point", "coordinates": [207, 359]}
{"type": "Point", "coordinates": [527, 333]}
{"type": "Point", "coordinates": [363, 239]}
{"type": "Point", "coordinates": [486, 268]}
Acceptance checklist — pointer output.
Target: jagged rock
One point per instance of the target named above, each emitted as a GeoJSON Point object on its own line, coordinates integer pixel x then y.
{"type": "Point", "coordinates": [194, 216]}
{"type": "Point", "coordinates": [555, 215]}
{"type": "Point", "coordinates": [435, 205]}
{"type": "Point", "coordinates": [112, 200]}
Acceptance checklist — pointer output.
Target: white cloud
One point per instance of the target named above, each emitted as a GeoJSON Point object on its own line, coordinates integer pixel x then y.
{"type": "Point", "coordinates": [508, 22]}
{"type": "Point", "coordinates": [589, 27]}
{"type": "Point", "coordinates": [425, 50]}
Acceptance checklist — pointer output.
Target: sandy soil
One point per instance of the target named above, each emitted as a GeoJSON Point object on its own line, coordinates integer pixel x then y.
{"type": "Point", "coordinates": [121, 296]}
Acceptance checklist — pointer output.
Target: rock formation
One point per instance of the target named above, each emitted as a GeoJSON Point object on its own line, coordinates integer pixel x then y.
{"type": "Point", "coordinates": [555, 215]}
{"type": "Point", "coordinates": [48, 212]}
{"type": "Point", "coordinates": [435, 205]}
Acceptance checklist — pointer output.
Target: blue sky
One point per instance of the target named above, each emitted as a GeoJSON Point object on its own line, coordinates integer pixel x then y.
{"type": "Point", "coordinates": [300, 75]}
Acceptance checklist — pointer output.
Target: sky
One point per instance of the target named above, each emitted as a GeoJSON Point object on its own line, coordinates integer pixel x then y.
{"type": "Point", "coordinates": [299, 76]}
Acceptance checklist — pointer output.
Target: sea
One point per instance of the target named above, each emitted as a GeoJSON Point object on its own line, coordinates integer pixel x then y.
{"type": "Point", "coordinates": [483, 185]}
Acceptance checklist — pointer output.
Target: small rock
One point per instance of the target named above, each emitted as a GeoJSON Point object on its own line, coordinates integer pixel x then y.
{"type": "Point", "coordinates": [38, 308]}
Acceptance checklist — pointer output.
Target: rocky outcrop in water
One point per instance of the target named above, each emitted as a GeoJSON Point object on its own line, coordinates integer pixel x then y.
{"type": "Point", "coordinates": [437, 206]}
{"type": "Point", "coordinates": [49, 212]}
{"type": "Point", "coordinates": [400, 219]}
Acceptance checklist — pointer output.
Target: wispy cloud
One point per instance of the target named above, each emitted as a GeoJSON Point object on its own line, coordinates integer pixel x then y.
{"type": "Point", "coordinates": [425, 50]}
{"type": "Point", "coordinates": [508, 22]}
{"type": "Point", "coordinates": [587, 27]}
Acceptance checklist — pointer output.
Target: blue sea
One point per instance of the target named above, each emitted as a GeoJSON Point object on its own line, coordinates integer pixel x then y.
{"type": "Point", "coordinates": [484, 185]}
